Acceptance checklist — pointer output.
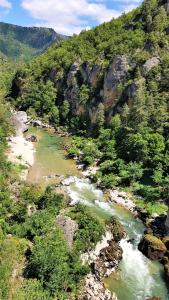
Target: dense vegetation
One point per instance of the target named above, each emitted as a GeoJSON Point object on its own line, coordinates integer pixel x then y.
{"type": "Point", "coordinates": [41, 265]}
{"type": "Point", "coordinates": [126, 137]}
{"type": "Point", "coordinates": [130, 128]}
{"type": "Point", "coordinates": [22, 43]}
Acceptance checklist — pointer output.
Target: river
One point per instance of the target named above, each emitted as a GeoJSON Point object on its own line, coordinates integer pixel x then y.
{"type": "Point", "coordinates": [137, 277]}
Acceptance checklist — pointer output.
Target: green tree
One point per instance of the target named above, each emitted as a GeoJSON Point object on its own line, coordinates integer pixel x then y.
{"type": "Point", "coordinates": [65, 109]}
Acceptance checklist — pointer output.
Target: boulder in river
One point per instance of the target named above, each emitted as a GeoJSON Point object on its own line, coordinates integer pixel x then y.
{"type": "Point", "coordinates": [107, 261]}
{"type": "Point", "coordinates": [32, 138]}
{"type": "Point", "coordinates": [116, 229]}
{"type": "Point", "coordinates": [152, 247]}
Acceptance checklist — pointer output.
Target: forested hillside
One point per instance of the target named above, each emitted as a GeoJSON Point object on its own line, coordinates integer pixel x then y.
{"type": "Point", "coordinates": [109, 87]}
{"type": "Point", "coordinates": [22, 43]}
{"type": "Point", "coordinates": [110, 83]}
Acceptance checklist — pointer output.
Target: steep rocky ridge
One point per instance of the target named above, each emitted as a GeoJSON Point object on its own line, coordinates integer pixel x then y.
{"type": "Point", "coordinates": [97, 74]}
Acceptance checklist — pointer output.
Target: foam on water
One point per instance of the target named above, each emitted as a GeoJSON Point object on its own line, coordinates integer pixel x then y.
{"type": "Point", "coordinates": [139, 278]}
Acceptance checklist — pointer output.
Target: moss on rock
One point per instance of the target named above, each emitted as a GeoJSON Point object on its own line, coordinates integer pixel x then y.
{"type": "Point", "coordinates": [152, 247]}
{"type": "Point", "coordinates": [116, 228]}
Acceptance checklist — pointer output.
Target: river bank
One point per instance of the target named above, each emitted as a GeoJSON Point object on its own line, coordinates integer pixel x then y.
{"type": "Point", "coordinates": [154, 242]}
{"type": "Point", "coordinates": [83, 191]}
{"type": "Point", "coordinates": [21, 151]}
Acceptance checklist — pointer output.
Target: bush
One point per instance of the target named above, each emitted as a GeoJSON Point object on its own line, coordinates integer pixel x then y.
{"type": "Point", "coordinates": [90, 230]}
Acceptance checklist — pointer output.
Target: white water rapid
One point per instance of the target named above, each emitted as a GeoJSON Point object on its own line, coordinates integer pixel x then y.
{"type": "Point", "coordinates": [137, 278]}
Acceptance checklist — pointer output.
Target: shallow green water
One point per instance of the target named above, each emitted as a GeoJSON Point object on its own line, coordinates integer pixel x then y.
{"type": "Point", "coordinates": [137, 278]}
{"type": "Point", "coordinates": [50, 158]}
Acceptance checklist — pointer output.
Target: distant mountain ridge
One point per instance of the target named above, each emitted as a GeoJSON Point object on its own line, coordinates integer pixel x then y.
{"type": "Point", "coordinates": [22, 43]}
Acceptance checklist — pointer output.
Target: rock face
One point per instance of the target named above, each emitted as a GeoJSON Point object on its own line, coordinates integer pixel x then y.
{"type": "Point", "coordinates": [108, 253]}
{"type": "Point", "coordinates": [103, 261]}
{"type": "Point", "coordinates": [69, 228]}
{"type": "Point", "coordinates": [90, 73]}
{"type": "Point", "coordinates": [152, 247]}
{"type": "Point", "coordinates": [19, 121]}
{"type": "Point", "coordinates": [94, 290]}
{"type": "Point", "coordinates": [107, 261]}
{"type": "Point", "coordinates": [149, 64]}
{"type": "Point", "coordinates": [117, 73]}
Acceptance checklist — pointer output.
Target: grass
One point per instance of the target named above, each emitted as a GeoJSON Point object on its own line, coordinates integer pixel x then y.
{"type": "Point", "coordinates": [152, 207]}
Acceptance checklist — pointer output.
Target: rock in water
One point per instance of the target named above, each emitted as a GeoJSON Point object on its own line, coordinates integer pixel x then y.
{"type": "Point", "coordinates": [116, 229]}
{"type": "Point", "coordinates": [152, 247]}
{"type": "Point", "coordinates": [32, 139]}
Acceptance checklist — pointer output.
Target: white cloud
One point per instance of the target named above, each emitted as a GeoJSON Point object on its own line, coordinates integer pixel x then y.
{"type": "Point", "coordinates": [68, 16]}
{"type": "Point", "coordinates": [5, 4]}
{"type": "Point", "coordinates": [71, 16]}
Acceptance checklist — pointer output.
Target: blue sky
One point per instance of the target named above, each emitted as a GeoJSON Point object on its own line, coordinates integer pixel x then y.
{"type": "Point", "coordinates": [65, 16]}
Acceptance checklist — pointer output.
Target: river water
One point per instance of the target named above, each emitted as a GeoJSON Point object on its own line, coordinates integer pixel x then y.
{"type": "Point", "coordinates": [137, 278]}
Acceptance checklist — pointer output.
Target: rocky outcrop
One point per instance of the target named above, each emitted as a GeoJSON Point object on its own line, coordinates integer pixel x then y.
{"type": "Point", "coordinates": [69, 228]}
{"type": "Point", "coordinates": [95, 290]}
{"type": "Point", "coordinates": [116, 229]}
{"type": "Point", "coordinates": [32, 138]}
{"type": "Point", "coordinates": [39, 124]}
{"type": "Point", "coordinates": [105, 258]}
{"type": "Point", "coordinates": [19, 121]}
{"type": "Point", "coordinates": [91, 73]}
{"type": "Point", "coordinates": [157, 226]}
{"type": "Point", "coordinates": [116, 74]}
{"type": "Point", "coordinates": [149, 65]}
{"type": "Point", "coordinates": [143, 215]}
{"type": "Point", "coordinates": [152, 247]}
{"type": "Point", "coordinates": [133, 88]}
{"type": "Point", "coordinates": [122, 199]}
{"type": "Point", "coordinates": [107, 261]}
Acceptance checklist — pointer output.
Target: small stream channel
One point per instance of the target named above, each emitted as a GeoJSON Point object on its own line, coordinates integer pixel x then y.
{"type": "Point", "coordinates": [137, 277]}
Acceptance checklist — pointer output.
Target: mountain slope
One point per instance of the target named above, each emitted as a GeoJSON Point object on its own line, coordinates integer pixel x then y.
{"type": "Point", "coordinates": [110, 83]}
{"type": "Point", "coordinates": [101, 65]}
{"type": "Point", "coordinates": [22, 43]}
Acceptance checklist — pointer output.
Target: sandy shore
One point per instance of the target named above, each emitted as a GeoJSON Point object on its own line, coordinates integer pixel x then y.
{"type": "Point", "coordinates": [21, 152]}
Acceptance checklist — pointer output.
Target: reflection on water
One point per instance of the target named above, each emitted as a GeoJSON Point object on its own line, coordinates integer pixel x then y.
{"type": "Point", "coordinates": [50, 158]}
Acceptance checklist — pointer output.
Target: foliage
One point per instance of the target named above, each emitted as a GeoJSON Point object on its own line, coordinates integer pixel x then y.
{"type": "Point", "coordinates": [90, 230]}
{"type": "Point", "coordinates": [52, 264]}
{"type": "Point", "coordinates": [22, 43]}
